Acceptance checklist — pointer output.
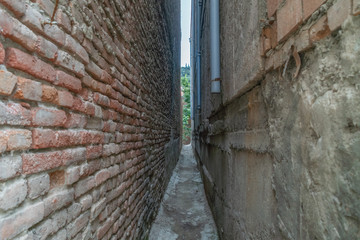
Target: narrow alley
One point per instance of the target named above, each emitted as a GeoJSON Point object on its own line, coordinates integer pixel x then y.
{"type": "Point", "coordinates": [184, 212]}
{"type": "Point", "coordinates": [96, 104]}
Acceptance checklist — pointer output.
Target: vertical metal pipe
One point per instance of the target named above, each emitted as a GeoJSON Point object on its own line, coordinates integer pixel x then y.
{"type": "Point", "coordinates": [198, 53]}
{"type": "Point", "coordinates": [192, 59]}
{"type": "Point", "coordinates": [215, 46]}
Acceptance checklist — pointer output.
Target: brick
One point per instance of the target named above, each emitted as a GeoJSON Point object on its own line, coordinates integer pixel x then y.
{"type": "Point", "coordinates": [49, 94]}
{"type": "Point", "coordinates": [57, 178]}
{"type": "Point", "coordinates": [94, 70]}
{"type": "Point", "coordinates": [28, 89]}
{"type": "Point", "coordinates": [67, 81]}
{"type": "Point", "coordinates": [104, 228]}
{"type": "Point", "coordinates": [338, 13]}
{"type": "Point", "coordinates": [356, 8]}
{"type": "Point", "coordinates": [73, 211]}
{"type": "Point", "coordinates": [61, 235]}
{"type": "Point", "coordinates": [320, 29]}
{"type": "Point", "coordinates": [65, 99]}
{"type": "Point", "coordinates": [84, 186]}
{"type": "Point", "coordinates": [7, 82]}
{"type": "Point", "coordinates": [47, 6]}
{"type": "Point", "coordinates": [93, 152]}
{"type": "Point", "coordinates": [16, 31]}
{"type": "Point", "coordinates": [17, 7]}
{"type": "Point", "coordinates": [66, 61]}
{"type": "Point", "coordinates": [78, 225]}
{"type": "Point", "coordinates": [44, 138]}
{"type": "Point", "coordinates": [89, 108]}
{"type": "Point", "coordinates": [272, 6]}
{"type": "Point", "coordinates": [21, 220]}
{"type": "Point", "coordinates": [289, 17]}
{"type": "Point", "coordinates": [310, 6]}
{"type": "Point", "coordinates": [73, 46]}
{"type": "Point", "coordinates": [38, 162]}
{"type": "Point", "coordinates": [12, 194]}
{"type": "Point", "coordinates": [75, 120]}
{"type": "Point", "coordinates": [102, 100]}
{"type": "Point", "coordinates": [2, 54]}
{"type": "Point", "coordinates": [48, 117]}
{"type": "Point", "coordinates": [63, 20]}
{"type": "Point", "coordinates": [17, 139]}
{"type": "Point", "coordinates": [33, 19]}
{"type": "Point", "coordinates": [102, 176]}
{"type": "Point", "coordinates": [50, 226]}
{"type": "Point", "coordinates": [10, 166]}
{"type": "Point", "coordinates": [72, 175]}
{"type": "Point", "coordinates": [14, 114]}
{"type": "Point", "coordinates": [29, 64]}
{"type": "Point", "coordinates": [76, 155]}
{"type": "Point", "coordinates": [38, 185]}
{"type": "Point", "coordinates": [46, 49]}
{"type": "Point", "coordinates": [97, 208]}
{"type": "Point", "coordinates": [86, 202]}
{"type": "Point", "coordinates": [58, 200]}
{"type": "Point", "coordinates": [55, 34]}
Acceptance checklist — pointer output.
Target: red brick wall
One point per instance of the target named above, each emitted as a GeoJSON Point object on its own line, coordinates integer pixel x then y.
{"type": "Point", "coordinates": [278, 149]}
{"type": "Point", "coordinates": [88, 106]}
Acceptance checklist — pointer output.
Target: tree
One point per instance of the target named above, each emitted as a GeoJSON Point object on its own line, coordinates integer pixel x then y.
{"type": "Point", "coordinates": [185, 88]}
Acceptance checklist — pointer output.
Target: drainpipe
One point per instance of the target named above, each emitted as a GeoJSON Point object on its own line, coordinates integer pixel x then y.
{"type": "Point", "coordinates": [215, 46]}
{"type": "Point", "coordinates": [192, 61]}
{"type": "Point", "coordinates": [198, 53]}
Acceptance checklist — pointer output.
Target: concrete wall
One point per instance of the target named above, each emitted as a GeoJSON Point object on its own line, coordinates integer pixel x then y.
{"type": "Point", "coordinates": [279, 153]}
{"type": "Point", "coordinates": [90, 116]}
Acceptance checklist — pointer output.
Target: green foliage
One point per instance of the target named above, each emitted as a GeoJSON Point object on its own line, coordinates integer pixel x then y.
{"type": "Point", "coordinates": [185, 88]}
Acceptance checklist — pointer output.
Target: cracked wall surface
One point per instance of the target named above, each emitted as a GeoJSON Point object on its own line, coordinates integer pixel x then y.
{"type": "Point", "coordinates": [279, 153]}
{"type": "Point", "coordinates": [89, 115]}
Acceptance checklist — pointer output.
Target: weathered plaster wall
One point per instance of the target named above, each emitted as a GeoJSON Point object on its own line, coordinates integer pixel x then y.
{"type": "Point", "coordinates": [90, 116]}
{"type": "Point", "coordinates": [280, 154]}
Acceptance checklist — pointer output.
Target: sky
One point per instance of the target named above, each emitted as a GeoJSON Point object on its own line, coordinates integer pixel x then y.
{"type": "Point", "coordinates": [185, 31]}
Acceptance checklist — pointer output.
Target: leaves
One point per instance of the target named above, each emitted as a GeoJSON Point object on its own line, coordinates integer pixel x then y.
{"type": "Point", "coordinates": [185, 88]}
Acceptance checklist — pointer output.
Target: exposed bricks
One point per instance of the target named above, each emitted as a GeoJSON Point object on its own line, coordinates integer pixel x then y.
{"type": "Point", "coordinates": [73, 46]}
{"type": "Point", "coordinates": [77, 103]}
{"type": "Point", "coordinates": [66, 61]}
{"type": "Point", "coordinates": [272, 6]}
{"type": "Point", "coordinates": [320, 29]}
{"type": "Point", "coordinates": [11, 140]}
{"type": "Point", "coordinates": [46, 49]}
{"type": "Point", "coordinates": [63, 20]}
{"type": "Point", "coordinates": [288, 18]}
{"type": "Point", "coordinates": [65, 99]}
{"type": "Point", "coordinates": [17, 7]}
{"type": "Point", "coordinates": [23, 219]}
{"type": "Point", "coordinates": [68, 81]}
{"type": "Point", "coordinates": [55, 34]}
{"type": "Point", "coordinates": [49, 94]}
{"type": "Point", "coordinates": [16, 31]}
{"type": "Point", "coordinates": [33, 19]}
{"type": "Point", "coordinates": [309, 6]}
{"type": "Point", "coordinates": [48, 117]}
{"type": "Point", "coordinates": [29, 64]}
{"type": "Point", "coordinates": [14, 114]}
{"type": "Point", "coordinates": [2, 54]}
{"type": "Point", "coordinates": [7, 82]}
{"type": "Point", "coordinates": [38, 162]}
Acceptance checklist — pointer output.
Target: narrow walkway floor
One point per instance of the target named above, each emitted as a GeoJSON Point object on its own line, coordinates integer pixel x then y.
{"type": "Point", "coordinates": [184, 212]}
